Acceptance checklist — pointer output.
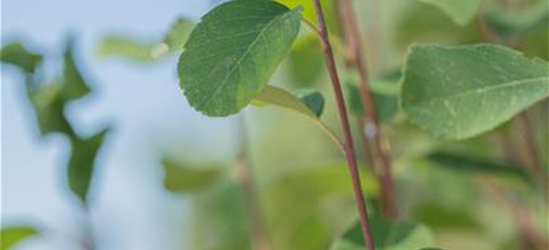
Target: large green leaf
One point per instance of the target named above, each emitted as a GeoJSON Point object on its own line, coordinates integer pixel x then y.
{"type": "Point", "coordinates": [184, 178]}
{"type": "Point", "coordinates": [11, 236]}
{"type": "Point", "coordinates": [401, 235]}
{"type": "Point", "coordinates": [16, 54]}
{"type": "Point", "coordinates": [146, 52]}
{"type": "Point", "coordinates": [82, 163]}
{"type": "Point", "coordinates": [461, 11]}
{"type": "Point", "coordinates": [460, 92]}
{"type": "Point", "coordinates": [233, 52]}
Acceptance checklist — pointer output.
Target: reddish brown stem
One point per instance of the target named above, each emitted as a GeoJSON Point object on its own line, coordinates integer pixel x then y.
{"type": "Point", "coordinates": [371, 130]}
{"type": "Point", "coordinates": [344, 119]}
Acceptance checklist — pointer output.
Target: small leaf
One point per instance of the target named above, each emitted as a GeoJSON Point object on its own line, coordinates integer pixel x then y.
{"type": "Point", "coordinates": [401, 235]}
{"type": "Point", "coordinates": [311, 104]}
{"type": "Point", "coordinates": [461, 11]}
{"type": "Point", "coordinates": [233, 52]}
{"type": "Point", "coordinates": [178, 34]}
{"type": "Point", "coordinates": [74, 85]}
{"type": "Point", "coordinates": [119, 46]}
{"type": "Point", "coordinates": [472, 164]}
{"type": "Point", "coordinates": [183, 178]}
{"type": "Point", "coordinates": [313, 99]}
{"type": "Point", "coordinates": [16, 54]}
{"type": "Point", "coordinates": [11, 236]}
{"type": "Point", "coordinates": [461, 92]}
{"type": "Point", "coordinates": [48, 103]}
{"type": "Point", "coordinates": [82, 163]}
{"type": "Point", "coordinates": [146, 52]}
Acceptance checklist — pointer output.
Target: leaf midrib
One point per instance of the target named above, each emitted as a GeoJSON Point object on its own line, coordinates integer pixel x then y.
{"type": "Point", "coordinates": [218, 89]}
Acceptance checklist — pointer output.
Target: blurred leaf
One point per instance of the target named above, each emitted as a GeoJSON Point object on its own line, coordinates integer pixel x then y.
{"type": "Point", "coordinates": [386, 105]}
{"type": "Point", "coordinates": [48, 103]}
{"type": "Point", "coordinates": [438, 216]}
{"type": "Point", "coordinates": [118, 46]}
{"type": "Point", "coordinates": [147, 52]}
{"type": "Point", "coordinates": [420, 23]}
{"type": "Point", "coordinates": [304, 205]}
{"type": "Point", "coordinates": [505, 23]}
{"type": "Point", "coordinates": [221, 76]}
{"type": "Point", "coordinates": [310, 105]}
{"type": "Point", "coordinates": [219, 218]}
{"type": "Point", "coordinates": [74, 85]}
{"type": "Point", "coordinates": [16, 54]}
{"type": "Point", "coordinates": [461, 11]}
{"type": "Point", "coordinates": [178, 34]}
{"type": "Point", "coordinates": [460, 92]}
{"type": "Point", "coordinates": [537, 44]}
{"type": "Point", "coordinates": [401, 235]}
{"type": "Point", "coordinates": [82, 162]}
{"type": "Point", "coordinates": [11, 236]}
{"type": "Point", "coordinates": [470, 164]}
{"type": "Point", "coordinates": [183, 178]}
{"type": "Point", "coordinates": [305, 61]}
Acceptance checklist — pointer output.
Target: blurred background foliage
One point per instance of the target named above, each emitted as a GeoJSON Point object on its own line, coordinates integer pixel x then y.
{"type": "Point", "coordinates": [279, 183]}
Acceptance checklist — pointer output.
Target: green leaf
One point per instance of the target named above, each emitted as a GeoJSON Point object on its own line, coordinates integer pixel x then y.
{"type": "Point", "coordinates": [146, 52]}
{"type": "Point", "coordinates": [401, 235]}
{"type": "Point", "coordinates": [220, 213]}
{"type": "Point", "coordinates": [16, 54]}
{"type": "Point", "coordinates": [460, 92]}
{"type": "Point", "coordinates": [183, 178]}
{"type": "Point", "coordinates": [305, 61]}
{"type": "Point", "coordinates": [301, 204]}
{"type": "Point", "coordinates": [48, 103]}
{"type": "Point", "coordinates": [471, 164]}
{"type": "Point", "coordinates": [233, 52]}
{"type": "Point", "coordinates": [313, 99]}
{"type": "Point", "coordinates": [124, 47]}
{"type": "Point", "coordinates": [310, 104]}
{"type": "Point", "coordinates": [384, 92]}
{"type": "Point", "coordinates": [82, 163]}
{"type": "Point", "coordinates": [178, 34]}
{"type": "Point", "coordinates": [11, 236]}
{"type": "Point", "coordinates": [74, 85]}
{"type": "Point", "coordinates": [507, 24]}
{"type": "Point", "coordinates": [461, 11]}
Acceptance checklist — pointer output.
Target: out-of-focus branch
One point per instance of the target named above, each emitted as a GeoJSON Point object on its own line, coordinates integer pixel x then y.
{"type": "Point", "coordinates": [259, 235]}
{"type": "Point", "coordinates": [372, 139]}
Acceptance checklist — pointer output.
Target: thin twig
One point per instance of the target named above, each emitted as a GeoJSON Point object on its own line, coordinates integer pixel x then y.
{"type": "Point", "coordinates": [371, 130]}
{"type": "Point", "coordinates": [259, 235]}
{"type": "Point", "coordinates": [344, 119]}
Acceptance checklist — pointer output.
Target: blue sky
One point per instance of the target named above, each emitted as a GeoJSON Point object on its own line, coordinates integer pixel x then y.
{"type": "Point", "coordinates": [131, 211]}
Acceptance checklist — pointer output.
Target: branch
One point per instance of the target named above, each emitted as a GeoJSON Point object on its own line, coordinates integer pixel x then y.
{"type": "Point", "coordinates": [344, 119]}
{"type": "Point", "coordinates": [370, 124]}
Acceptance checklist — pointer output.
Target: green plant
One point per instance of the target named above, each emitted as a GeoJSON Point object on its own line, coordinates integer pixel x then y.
{"type": "Point", "coordinates": [231, 54]}
{"type": "Point", "coordinates": [49, 99]}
